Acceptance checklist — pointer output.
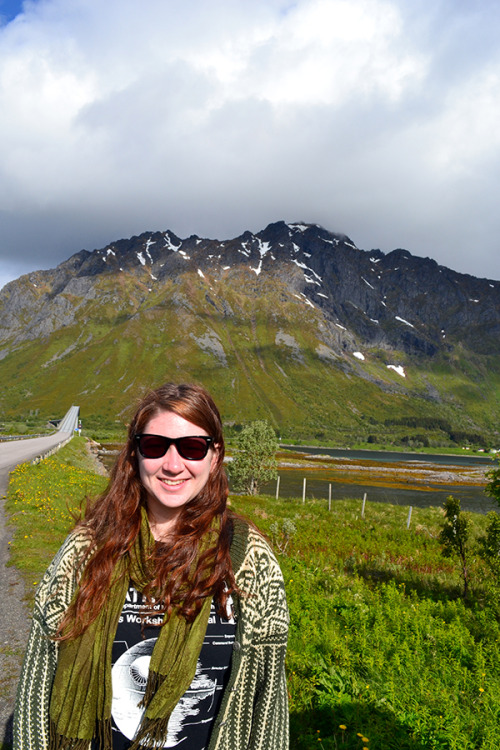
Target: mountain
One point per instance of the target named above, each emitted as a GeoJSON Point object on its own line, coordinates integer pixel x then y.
{"type": "Point", "coordinates": [293, 323]}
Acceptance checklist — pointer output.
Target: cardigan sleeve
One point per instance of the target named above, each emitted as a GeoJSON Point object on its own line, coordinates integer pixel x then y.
{"type": "Point", "coordinates": [254, 711]}
{"type": "Point", "coordinates": [52, 598]}
{"type": "Point", "coordinates": [270, 717]}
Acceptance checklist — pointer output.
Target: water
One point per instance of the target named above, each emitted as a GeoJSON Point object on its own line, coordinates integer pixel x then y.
{"type": "Point", "coordinates": [394, 456]}
{"type": "Point", "coordinates": [291, 485]}
{"type": "Point", "coordinates": [472, 498]}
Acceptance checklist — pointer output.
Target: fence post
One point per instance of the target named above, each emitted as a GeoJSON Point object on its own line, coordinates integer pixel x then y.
{"type": "Point", "coordinates": [409, 519]}
{"type": "Point", "coordinates": [329, 497]}
{"type": "Point", "coordinates": [363, 506]}
{"type": "Point", "coordinates": [278, 487]}
{"type": "Point", "coordinates": [304, 490]}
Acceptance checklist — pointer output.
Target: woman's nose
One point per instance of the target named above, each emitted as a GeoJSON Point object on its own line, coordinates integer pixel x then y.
{"type": "Point", "coordinates": [171, 460]}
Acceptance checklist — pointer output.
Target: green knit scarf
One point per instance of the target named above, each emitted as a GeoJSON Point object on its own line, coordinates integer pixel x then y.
{"type": "Point", "coordinates": [80, 705]}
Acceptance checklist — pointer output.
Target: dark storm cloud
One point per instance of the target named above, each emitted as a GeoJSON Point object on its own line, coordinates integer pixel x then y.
{"type": "Point", "coordinates": [371, 117]}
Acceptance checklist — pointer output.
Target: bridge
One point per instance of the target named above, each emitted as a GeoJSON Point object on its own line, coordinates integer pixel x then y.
{"type": "Point", "coordinates": [69, 423]}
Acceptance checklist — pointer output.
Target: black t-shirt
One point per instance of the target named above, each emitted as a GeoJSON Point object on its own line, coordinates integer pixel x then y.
{"type": "Point", "coordinates": [191, 721]}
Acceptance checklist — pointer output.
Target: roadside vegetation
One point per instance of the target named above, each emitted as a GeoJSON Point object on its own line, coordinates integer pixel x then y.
{"type": "Point", "coordinates": [26, 425]}
{"type": "Point", "coordinates": [384, 651]}
{"type": "Point", "coordinates": [42, 501]}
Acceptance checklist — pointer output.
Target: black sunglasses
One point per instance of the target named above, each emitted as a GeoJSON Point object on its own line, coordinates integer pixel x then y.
{"type": "Point", "coordinates": [193, 448]}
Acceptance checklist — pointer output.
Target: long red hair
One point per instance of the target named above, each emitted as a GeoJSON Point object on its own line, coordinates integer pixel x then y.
{"type": "Point", "coordinates": [113, 522]}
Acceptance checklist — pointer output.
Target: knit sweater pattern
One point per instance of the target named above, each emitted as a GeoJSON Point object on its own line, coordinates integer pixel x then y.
{"type": "Point", "coordinates": [254, 710]}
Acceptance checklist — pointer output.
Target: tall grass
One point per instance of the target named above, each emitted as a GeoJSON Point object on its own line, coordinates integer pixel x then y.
{"type": "Point", "coordinates": [383, 652]}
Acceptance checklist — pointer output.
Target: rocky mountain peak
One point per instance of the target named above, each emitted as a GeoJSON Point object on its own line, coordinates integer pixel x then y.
{"type": "Point", "coordinates": [393, 300]}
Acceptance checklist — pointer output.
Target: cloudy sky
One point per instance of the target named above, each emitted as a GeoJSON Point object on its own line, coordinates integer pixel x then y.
{"type": "Point", "coordinates": [376, 118]}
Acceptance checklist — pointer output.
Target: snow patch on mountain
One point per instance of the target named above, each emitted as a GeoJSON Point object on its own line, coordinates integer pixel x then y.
{"type": "Point", "coordinates": [302, 297]}
{"type": "Point", "coordinates": [263, 248]}
{"type": "Point", "coordinates": [402, 320]}
{"type": "Point", "coordinates": [397, 368]}
{"type": "Point", "coordinates": [244, 250]}
{"type": "Point", "coordinates": [258, 269]}
{"type": "Point", "coordinates": [170, 245]}
{"type": "Point", "coordinates": [309, 279]}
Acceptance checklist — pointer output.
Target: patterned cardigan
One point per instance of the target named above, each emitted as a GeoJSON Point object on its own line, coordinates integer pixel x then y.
{"type": "Point", "coordinates": [254, 710]}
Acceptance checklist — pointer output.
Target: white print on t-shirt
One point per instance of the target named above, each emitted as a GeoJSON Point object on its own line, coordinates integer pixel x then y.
{"type": "Point", "coordinates": [129, 677]}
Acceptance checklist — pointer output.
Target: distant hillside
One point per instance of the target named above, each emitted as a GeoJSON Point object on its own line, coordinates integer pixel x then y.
{"type": "Point", "coordinates": [293, 323]}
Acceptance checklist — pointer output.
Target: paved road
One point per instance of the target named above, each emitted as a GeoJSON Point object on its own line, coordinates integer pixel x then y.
{"type": "Point", "coordinates": [14, 618]}
{"type": "Point", "coordinates": [15, 452]}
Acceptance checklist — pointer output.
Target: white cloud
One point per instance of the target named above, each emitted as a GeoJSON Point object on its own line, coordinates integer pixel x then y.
{"type": "Point", "coordinates": [466, 135]}
{"type": "Point", "coordinates": [368, 116]}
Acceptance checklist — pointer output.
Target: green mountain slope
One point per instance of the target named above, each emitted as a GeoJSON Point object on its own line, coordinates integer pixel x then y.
{"type": "Point", "coordinates": [255, 340]}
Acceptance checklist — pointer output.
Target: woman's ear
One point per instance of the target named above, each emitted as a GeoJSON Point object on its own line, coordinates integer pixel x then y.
{"type": "Point", "coordinates": [215, 456]}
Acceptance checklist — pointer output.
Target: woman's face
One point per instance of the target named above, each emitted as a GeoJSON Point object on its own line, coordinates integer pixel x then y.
{"type": "Point", "coordinates": [172, 481]}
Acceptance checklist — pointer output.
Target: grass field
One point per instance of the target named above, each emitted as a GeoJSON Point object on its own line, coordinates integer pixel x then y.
{"type": "Point", "coordinates": [383, 652]}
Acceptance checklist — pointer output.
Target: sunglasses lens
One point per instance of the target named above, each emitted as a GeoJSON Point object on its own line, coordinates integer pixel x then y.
{"type": "Point", "coordinates": [153, 446]}
{"type": "Point", "coordinates": [192, 448]}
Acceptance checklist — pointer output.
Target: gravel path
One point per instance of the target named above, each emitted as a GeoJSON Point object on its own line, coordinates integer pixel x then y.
{"type": "Point", "coordinates": [14, 623]}
{"type": "Point", "coordinates": [14, 616]}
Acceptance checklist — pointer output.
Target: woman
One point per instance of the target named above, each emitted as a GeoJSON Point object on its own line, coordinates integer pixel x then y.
{"type": "Point", "coordinates": [162, 621]}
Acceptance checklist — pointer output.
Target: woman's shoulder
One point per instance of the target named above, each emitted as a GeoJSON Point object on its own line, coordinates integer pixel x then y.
{"type": "Point", "coordinates": [72, 551]}
{"type": "Point", "coordinates": [250, 549]}
{"type": "Point", "coordinates": [260, 580]}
